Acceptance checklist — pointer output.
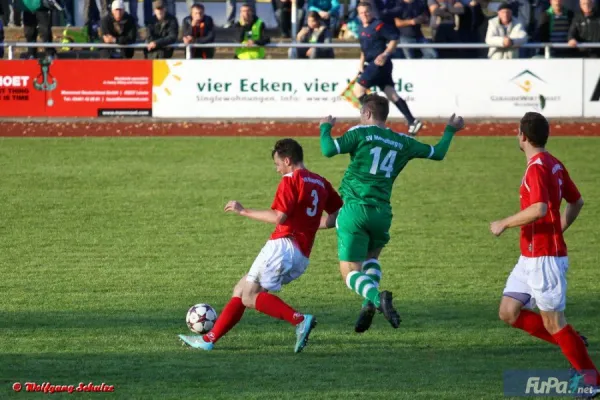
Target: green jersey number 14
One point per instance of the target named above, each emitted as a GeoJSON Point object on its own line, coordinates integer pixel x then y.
{"type": "Point", "coordinates": [387, 164]}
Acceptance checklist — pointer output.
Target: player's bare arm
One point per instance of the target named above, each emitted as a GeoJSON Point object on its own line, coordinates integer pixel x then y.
{"type": "Point", "coordinates": [525, 217]}
{"type": "Point", "coordinates": [362, 62]}
{"type": "Point", "coordinates": [328, 221]}
{"type": "Point", "coordinates": [269, 216]}
{"type": "Point", "coordinates": [570, 214]}
{"type": "Point", "coordinates": [382, 58]}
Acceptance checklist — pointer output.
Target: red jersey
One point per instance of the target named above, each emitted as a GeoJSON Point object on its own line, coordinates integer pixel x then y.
{"type": "Point", "coordinates": [303, 196]}
{"type": "Point", "coordinates": [547, 181]}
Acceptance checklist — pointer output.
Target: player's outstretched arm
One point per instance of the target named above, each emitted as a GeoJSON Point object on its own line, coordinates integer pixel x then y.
{"type": "Point", "coordinates": [524, 217]}
{"type": "Point", "coordinates": [570, 214]}
{"type": "Point", "coordinates": [454, 125]}
{"type": "Point", "coordinates": [269, 216]}
{"type": "Point", "coordinates": [328, 145]}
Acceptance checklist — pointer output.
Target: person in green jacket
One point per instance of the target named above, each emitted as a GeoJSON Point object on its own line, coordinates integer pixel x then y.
{"type": "Point", "coordinates": [37, 19]}
{"type": "Point", "coordinates": [251, 32]}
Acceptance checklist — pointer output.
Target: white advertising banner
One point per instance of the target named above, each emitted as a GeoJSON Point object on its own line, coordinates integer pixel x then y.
{"type": "Point", "coordinates": [313, 88]}
{"type": "Point", "coordinates": [591, 88]}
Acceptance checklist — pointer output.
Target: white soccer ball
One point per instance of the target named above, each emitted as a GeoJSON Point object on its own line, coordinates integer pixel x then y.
{"type": "Point", "coordinates": [201, 318]}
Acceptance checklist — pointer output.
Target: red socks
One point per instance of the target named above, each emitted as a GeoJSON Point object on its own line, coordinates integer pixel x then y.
{"type": "Point", "coordinates": [533, 324]}
{"type": "Point", "coordinates": [274, 307]}
{"type": "Point", "coordinates": [574, 349]}
{"type": "Point", "coordinates": [230, 316]}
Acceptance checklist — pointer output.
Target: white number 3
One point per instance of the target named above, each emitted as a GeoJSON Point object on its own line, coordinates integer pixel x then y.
{"type": "Point", "coordinates": [311, 212]}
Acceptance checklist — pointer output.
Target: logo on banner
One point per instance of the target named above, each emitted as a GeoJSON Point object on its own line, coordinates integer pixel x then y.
{"type": "Point", "coordinates": [528, 88]}
{"type": "Point", "coordinates": [45, 82]}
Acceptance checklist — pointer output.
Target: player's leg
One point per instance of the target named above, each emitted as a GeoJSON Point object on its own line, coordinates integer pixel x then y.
{"type": "Point", "coordinates": [364, 81]}
{"type": "Point", "coordinates": [517, 304]}
{"type": "Point", "coordinates": [353, 248]}
{"type": "Point", "coordinates": [372, 269]}
{"type": "Point", "coordinates": [232, 314]}
{"type": "Point", "coordinates": [414, 125]}
{"type": "Point", "coordinates": [548, 281]}
{"type": "Point", "coordinates": [284, 264]}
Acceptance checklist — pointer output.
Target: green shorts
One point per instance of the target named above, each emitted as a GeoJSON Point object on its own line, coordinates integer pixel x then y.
{"type": "Point", "coordinates": [361, 229]}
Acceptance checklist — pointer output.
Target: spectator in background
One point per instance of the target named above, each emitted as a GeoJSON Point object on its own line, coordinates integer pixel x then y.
{"type": "Point", "coordinates": [251, 32]}
{"type": "Point", "coordinates": [230, 11]}
{"type": "Point", "coordinates": [146, 6]}
{"type": "Point", "coordinates": [69, 12]}
{"type": "Point", "coordinates": [1, 34]}
{"type": "Point", "coordinates": [316, 31]}
{"type": "Point", "coordinates": [199, 28]}
{"type": "Point", "coordinates": [94, 11]}
{"type": "Point", "coordinates": [505, 32]}
{"type": "Point", "coordinates": [163, 31]}
{"type": "Point", "coordinates": [411, 16]}
{"type": "Point", "coordinates": [554, 26]}
{"type": "Point", "coordinates": [284, 16]}
{"type": "Point", "coordinates": [118, 27]}
{"type": "Point", "coordinates": [37, 19]}
{"type": "Point", "coordinates": [469, 27]}
{"type": "Point", "coordinates": [328, 10]}
{"type": "Point", "coordinates": [444, 22]}
{"type": "Point", "coordinates": [12, 12]}
{"type": "Point", "coordinates": [585, 28]}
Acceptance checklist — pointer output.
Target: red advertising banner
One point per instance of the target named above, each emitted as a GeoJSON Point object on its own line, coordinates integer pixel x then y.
{"type": "Point", "coordinates": [75, 88]}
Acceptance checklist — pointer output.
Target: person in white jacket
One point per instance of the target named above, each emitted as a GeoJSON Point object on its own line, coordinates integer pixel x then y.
{"type": "Point", "coordinates": [506, 33]}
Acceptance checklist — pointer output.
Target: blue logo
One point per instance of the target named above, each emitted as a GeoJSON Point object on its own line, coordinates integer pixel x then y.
{"type": "Point", "coordinates": [555, 383]}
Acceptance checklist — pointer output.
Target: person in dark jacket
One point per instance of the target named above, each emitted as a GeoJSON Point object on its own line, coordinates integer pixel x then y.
{"type": "Point", "coordinates": [284, 16]}
{"type": "Point", "coordinates": [118, 27]}
{"type": "Point", "coordinates": [251, 33]}
{"type": "Point", "coordinates": [163, 30]}
{"type": "Point", "coordinates": [553, 27]}
{"type": "Point", "coordinates": [316, 31]}
{"type": "Point", "coordinates": [469, 27]}
{"type": "Point", "coordinates": [585, 28]}
{"type": "Point", "coordinates": [199, 28]}
{"type": "Point", "coordinates": [37, 19]}
{"type": "Point", "coordinates": [1, 35]}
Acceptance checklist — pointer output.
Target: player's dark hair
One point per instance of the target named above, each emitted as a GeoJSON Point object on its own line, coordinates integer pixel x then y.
{"type": "Point", "coordinates": [314, 15]}
{"type": "Point", "coordinates": [536, 128]}
{"type": "Point", "coordinates": [288, 148]}
{"type": "Point", "coordinates": [365, 4]}
{"type": "Point", "coordinates": [377, 105]}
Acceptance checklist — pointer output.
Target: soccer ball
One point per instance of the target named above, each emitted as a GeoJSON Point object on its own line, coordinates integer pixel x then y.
{"type": "Point", "coordinates": [201, 318]}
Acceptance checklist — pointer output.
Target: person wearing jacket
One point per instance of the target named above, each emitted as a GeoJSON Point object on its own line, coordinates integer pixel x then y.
{"type": "Point", "coordinates": [328, 10]}
{"type": "Point", "coordinates": [316, 31]}
{"type": "Point", "coordinates": [585, 28]}
{"type": "Point", "coordinates": [1, 35]}
{"type": "Point", "coordinates": [37, 19]}
{"type": "Point", "coordinates": [553, 27]}
{"type": "Point", "coordinates": [163, 31]}
{"type": "Point", "coordinates": [199, 28]}
{"type": "Point", "coordinates": [506, 34]}
{"type": "Point", "coordinates": [118, 27]}
{"type": "Point", "coordinates": [251, 33]}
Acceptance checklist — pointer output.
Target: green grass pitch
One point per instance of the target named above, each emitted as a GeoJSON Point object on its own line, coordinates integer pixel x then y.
{"type": "Point", "coordinates": [105, 243]}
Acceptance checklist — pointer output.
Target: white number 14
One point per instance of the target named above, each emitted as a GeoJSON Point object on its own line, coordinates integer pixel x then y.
{"type": "Point", "coordinates": [387, 165]}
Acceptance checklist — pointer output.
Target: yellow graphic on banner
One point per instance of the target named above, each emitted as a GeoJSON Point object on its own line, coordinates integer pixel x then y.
{"type": "Point", "coordinates": [161, 70]}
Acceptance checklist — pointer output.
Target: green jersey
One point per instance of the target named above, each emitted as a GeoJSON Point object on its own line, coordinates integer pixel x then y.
{"type": "Point", "coordinates": [377, 156]}
{"type": "Point", "coordinates": [32, 5]}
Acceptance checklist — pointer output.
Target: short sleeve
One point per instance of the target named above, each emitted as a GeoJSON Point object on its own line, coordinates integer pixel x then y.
{"type": "Point", "coordinates": [419, 150]}
{"type": "Point", "coordinates": [334, 201]}
{"type": "Point", "coordinates": [569, 190]}
{"type": "Point", "coordinates": [348, 142]}
{"type": "Point", "coordinates": [285, 197]}
{"type": "Point", "coordinates": [538, 188]}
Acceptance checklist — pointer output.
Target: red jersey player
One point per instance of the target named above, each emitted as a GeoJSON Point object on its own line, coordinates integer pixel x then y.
{"type": "Point", "coordinates": [539, 278]}
{"type": "Point", "coordinates": [297, 212]}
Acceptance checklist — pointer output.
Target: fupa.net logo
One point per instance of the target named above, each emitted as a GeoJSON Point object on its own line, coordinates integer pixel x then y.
{"type": "Point", "coordinates": [555, 386]}
{"type": "Point", "coordinates": [550, 383]}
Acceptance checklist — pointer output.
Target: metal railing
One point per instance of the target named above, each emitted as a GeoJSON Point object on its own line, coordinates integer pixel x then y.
{"type": "Point", "coordinates": [355, 45]}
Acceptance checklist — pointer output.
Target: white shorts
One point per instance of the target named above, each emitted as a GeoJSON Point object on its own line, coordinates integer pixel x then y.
{"type": "Point", "coordinates": [543, 278]}
{"type": "Point", "coordinates": [278, 263]}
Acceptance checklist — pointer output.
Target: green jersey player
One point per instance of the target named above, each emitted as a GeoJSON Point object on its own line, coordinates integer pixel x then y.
{"type": "Point", "coordinates": [377, 156]}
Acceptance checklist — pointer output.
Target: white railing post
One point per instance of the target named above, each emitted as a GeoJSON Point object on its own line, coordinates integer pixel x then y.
{"type": "Point", "coordinates": [294, 20]}
{"type": "Point", "coordinates": [547, 52]}
{"type": "Point", "coordinates": [188, 52]}
{"type": "Point", "coordinates": [11, 54]}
